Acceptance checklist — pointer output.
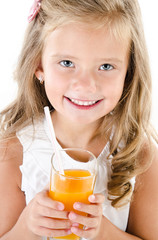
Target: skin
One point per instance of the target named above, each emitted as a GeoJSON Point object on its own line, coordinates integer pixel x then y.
{"type": "Point", "coordinates": [85, 79]}
{"type": "Point", "coordinates": [95, 69]}
{"type": "Point", "coordinates": [97, 66]}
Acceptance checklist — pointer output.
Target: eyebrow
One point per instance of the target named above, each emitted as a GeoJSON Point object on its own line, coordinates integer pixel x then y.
{"type": "Point", "coordinates": [63, 56]}
{"type": "Point", "coordinates": [66, 56]}
{"type": "Point", "coordinates": [111, 60]}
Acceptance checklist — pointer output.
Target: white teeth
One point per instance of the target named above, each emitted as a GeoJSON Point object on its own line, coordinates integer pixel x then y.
{"type": "Point", "coordinates": [83, 103]}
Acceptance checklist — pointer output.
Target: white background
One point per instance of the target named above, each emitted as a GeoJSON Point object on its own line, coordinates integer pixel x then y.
{"type": "Point", "coordinates": [13, 21]}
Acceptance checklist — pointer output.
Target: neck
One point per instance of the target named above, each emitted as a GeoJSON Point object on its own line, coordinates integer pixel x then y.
{"type": "Point", "coordinates": [70, 134]}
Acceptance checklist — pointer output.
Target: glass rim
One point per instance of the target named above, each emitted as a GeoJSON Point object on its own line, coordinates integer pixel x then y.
{"type": "Point", "coordinates": [70, 177]}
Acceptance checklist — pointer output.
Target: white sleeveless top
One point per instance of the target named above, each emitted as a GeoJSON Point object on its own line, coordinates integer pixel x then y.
{"type": "Point", "coordinates": [37, 152]}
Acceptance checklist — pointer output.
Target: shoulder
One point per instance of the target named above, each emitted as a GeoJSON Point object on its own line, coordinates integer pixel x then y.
{"type": "Point", "coordinates": [153, 154]}
{"type": "Point", "coordinates": [35, 130]}
{"type": "Point", "coordinates": [11, 154]}
{"type": "Point", "coordinates": [10, 149]}
{"type": "Point", "coordinates": [143, 214]}
{"type": "Point", "coordinates": [149, 158]}
{"type": "Point", "coordinates": [146, 183]}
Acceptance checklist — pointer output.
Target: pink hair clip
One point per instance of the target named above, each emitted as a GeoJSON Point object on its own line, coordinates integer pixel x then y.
{"type": "Point", "coordinates": [34, 10]}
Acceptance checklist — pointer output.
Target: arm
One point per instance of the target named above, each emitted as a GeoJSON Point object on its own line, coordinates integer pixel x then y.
{"type": "Point", "coordinates": [18, 221]}
{"type": "Point", "coordinates": [12, 200]}
{"type": "Point", "coordinates": [143, 217]}
{"type": "Point", "coordinates": [97, 226]}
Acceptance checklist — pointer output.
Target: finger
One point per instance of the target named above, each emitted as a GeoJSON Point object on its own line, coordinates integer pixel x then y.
{"type": "Point", "coordinates": [52, 213]}
{"type": "Point", "coordinates": [41, 231]}
{"type": "Point", "coordinates": [43, 199]}
{"type": "Point", "coordinates": [90, 222]}
{"type": "Point", "coordinates": [91, 209]}
{"type": "Point", "coordinates": [96, 198]}
{"type": "Point", "coordinates": [85, 233]}
{"type": "Point", "coordinates": [54, 223]}
{"type": "Point", "coordinates": [59, 233]}
{"type": "Point", "coordinates": [47, 187]}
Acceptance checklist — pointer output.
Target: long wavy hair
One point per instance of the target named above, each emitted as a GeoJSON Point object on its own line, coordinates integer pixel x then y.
{"type": "Point", "coordinates": [129, 121]}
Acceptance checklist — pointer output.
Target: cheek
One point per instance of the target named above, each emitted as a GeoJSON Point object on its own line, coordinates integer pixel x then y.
{"type": "Point", "coordinates": [114, 89]}
{"type": "Point", "coordinates": [52, 81]}
{"type": "Point", "coordinates": [54, 77]}
{"type": "Point", "coordinates": [53, 90]}
{"type": "Point", "coordinates": [55, 86]}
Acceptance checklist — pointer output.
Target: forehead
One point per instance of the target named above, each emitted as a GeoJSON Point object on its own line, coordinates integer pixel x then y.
{"type": "Point", "coordinates": [85, 38]}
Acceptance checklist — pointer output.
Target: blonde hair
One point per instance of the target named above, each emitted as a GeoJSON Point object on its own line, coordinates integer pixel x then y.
{"type": "Point", "coordinates": [131, 116]}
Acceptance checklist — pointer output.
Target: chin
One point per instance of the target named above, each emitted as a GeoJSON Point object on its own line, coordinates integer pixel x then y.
{"type": "Point", "coordinates": [83, 121]}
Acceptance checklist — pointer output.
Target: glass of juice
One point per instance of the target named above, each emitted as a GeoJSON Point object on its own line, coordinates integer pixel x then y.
{"type": "Point", "coordinates": [77, 183]}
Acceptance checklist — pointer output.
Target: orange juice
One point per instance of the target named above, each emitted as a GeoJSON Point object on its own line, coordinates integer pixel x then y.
{"type": "Point", "coordinates": [74, 186]}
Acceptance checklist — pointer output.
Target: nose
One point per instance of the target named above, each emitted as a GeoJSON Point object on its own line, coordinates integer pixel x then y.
{"type": "Point", "coordinates": [85, 81]}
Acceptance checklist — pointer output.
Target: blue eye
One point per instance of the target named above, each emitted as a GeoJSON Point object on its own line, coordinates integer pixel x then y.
{"type": "Point", "coordinates": [106, 67]}
{"type": "Point", "coordinates": [67, 63]}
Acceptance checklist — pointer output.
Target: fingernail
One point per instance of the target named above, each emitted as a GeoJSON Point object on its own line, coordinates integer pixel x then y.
{"type": "Point", "coordinates": [72, 216]}
{"type": "Point", "coordinates": [77, 205]}
{"type": "Point", "coordinates": [92, 198]}
{"type": "Point", "coordinates": [60, 206]}
{"type": "Point", "coordinates": [74, 229]}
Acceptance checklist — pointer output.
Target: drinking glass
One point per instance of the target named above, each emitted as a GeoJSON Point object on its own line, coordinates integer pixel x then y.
{"type": "Point", "coordinates": [77, 183]}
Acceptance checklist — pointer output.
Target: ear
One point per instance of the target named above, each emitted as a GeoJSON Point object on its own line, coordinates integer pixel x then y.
{"type": "Point", "coordinates": [39, 73]}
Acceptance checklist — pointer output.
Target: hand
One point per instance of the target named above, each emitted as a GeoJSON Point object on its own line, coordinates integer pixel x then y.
{"type": "Point", "coordinates": [41, 217]}
{"type": "Point", "coordinates": [91, 222]}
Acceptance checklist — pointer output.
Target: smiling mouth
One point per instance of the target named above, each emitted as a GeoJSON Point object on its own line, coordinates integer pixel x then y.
{"type": "Point", "coordinates": [84, 103]}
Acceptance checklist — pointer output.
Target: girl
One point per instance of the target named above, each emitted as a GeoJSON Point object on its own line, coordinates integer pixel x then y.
{"type": "Point", "coordinates": [88, 62]}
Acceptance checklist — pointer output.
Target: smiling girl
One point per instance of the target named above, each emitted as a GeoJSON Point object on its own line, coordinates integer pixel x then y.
{"type": "Point", "coordinates": [87, 61]}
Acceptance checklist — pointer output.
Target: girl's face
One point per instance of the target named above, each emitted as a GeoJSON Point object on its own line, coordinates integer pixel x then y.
{"type": "Point", "coordinates": [84, 71]}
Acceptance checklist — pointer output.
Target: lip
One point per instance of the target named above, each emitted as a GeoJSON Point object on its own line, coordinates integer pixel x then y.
{"type": "Point", "coordinates": [83, 104]}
